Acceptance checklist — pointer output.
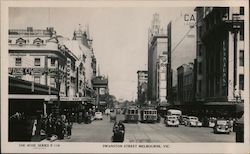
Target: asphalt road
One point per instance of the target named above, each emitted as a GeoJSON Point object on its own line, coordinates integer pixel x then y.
{"type": "Point", "coordinates": [101, 131]}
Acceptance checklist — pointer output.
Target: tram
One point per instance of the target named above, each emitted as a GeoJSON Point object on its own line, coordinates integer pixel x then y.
{"type": "Point", "coordinates": [132, 114]}
{"type": "Point", "coordinates": [148, 115]}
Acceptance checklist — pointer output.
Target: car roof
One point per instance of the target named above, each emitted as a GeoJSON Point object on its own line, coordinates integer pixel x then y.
{"type": "Point", "coordinates": [172, 116]}
{"type": "Point", "coordinates": [192, 117]}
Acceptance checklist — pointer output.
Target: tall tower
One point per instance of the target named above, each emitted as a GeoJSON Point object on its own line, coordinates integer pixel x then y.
{"type": "Point", "coordinates": [157, 47]}
{"type": "Point", "coordinates": [155, 28]}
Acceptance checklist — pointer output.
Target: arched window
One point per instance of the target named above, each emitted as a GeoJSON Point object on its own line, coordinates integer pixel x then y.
{"type": "Point", "coordinates": [21, 41]}
{"type": "Point", "coordinates": [38, 42]}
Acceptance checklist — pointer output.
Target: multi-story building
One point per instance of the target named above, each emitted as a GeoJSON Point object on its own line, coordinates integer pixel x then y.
{"type": "Point", "coordinates": [181, 34]}
{"type": "Point", "coordinates": [185, 84]}
{"type": "Point", "coordinates": [220, 54]}
{"type": "Point", "coordinates": [157, 59]}
{"type": "Point", "coordinates": [81, 46]}
{"type": "Point", "coordinates": [35, 56]}
{"type": "Point", "coordinates": [142, 84]}
{"type": "Point", "coordinates": [101, 88]}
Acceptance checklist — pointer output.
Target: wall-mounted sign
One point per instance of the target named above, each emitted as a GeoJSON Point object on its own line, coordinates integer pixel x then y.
{"type": "Point", "coordinates": [224, 64]}
{"type": "Point", "coordinates": [68, 81]}
{"type": "Point", "coordinates": [32, 71]}
{"type": "Point", "coordinates": [74, 99]}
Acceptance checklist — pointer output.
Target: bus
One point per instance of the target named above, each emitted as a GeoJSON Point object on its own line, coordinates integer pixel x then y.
{"type": "Point", "coordinates": [175, 112]}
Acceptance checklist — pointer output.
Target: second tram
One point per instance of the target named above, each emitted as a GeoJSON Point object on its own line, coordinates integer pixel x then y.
{"type": "Point", "coordinates": [132, 114]}
{"type": "Point", "coordinates": [149, 115]}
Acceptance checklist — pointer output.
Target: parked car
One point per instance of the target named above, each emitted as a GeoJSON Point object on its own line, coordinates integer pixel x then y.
{"type": "Point", "coordinates": [183, 119]}
{"type": "Point", "coordinates": [221, 126]}
{"type": "Point", "coordinates": [172, 121]}
{"type": "Point", "coordinates": [98, 116]}
{"type": "Point", "coordinates": [193, 121]}
{"type": "Point", "coordinates": [211, 122]}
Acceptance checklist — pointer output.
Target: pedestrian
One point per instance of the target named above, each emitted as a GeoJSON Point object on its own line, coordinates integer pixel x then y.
{"type": "Point", "coordinates": [50, 127]}
{"type": "Point", "coordinates": [121, 128]}
{"type": "Point", "coordinates": [59, 129]}
{"type": "Point", "coordinates": [68, 129]}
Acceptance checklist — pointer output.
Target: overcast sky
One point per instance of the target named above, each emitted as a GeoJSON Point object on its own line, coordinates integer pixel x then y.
{"type": "Point", "coordinates": [120, 37]}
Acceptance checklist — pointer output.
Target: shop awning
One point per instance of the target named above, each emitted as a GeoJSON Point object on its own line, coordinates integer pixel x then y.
{"type": "Point", "coordinates": [25, 96]}
{"type": "Point", "coordinates": [219, 103]}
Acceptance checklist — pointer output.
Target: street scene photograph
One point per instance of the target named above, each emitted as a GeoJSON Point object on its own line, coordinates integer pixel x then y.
{"type": "Point", "coordinates": [127, 74]}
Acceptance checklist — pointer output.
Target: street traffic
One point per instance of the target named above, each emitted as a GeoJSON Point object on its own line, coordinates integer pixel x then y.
{"type": "Point", "coordinates": [101, 131]}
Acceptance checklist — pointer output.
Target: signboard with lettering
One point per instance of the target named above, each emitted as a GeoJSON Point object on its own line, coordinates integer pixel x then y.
{"type": "Point", "coordinates": [68, 81]}
{"type": "Point", "coordinates": [224, 64]}
{"type": "Point", "coordinates": [74, 98]}
{"type": "Point", "coordinates": [32, 71]}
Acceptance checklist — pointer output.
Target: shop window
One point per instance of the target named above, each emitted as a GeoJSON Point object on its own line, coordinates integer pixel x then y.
{"type": "Point", "coordinates": [37, 62]}
{"type": "Point", "coordinates": [37, 79]}
{"type": "Point", "coordinates": [241, 82]}
{"type": "Point", "coordinates": [241, 58]}
{"type": "Point", "coordinates": [18, 61]}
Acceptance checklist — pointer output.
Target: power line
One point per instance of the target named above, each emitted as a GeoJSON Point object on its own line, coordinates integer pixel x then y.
{"type": "Point", "coordinates": [186, 34]}
{"type": "Point", "coordinates": [181, 40]}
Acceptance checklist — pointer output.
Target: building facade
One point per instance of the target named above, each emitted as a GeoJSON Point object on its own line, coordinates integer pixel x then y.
{"type": "Point", "coordinates": [185, 84]}
{"type": "Point", "coordinates": [181, 34]}
{"type": "Point", "coordinates": [157, 60]}
{"type": "Point", "coordinates": [36, 56]}
{"type": "Point", "coordinates": [142, 87]}
{"type": "Point", "coordinates": [81, 46]}
{"type": "Point", "coordinates": [220, 54]}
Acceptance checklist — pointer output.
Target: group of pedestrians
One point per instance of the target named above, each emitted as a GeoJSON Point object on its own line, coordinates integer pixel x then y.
{"type": "Point", "coordinates": [54, 128]}
{"type": "Point", "coordinates": [119, 132]}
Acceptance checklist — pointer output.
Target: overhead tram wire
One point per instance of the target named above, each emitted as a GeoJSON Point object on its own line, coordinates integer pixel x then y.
{"type": "Point", "coordinates": [181, 40]}
{"type": "Point", "coordinates": [190, 28]}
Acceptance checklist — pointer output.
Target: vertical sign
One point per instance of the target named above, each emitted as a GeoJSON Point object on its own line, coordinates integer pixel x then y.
{"type": "Point", "coordinates": [224, 64]}
{"type": "Point", "coordinates": [68, 72]}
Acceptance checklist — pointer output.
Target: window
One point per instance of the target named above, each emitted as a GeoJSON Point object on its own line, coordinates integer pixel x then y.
{"type": "Point", "coordinates": [241, 57]}
{"type": "Point", "coordinates": [200, 49]}
{"type": "Point", "coordinates": [37, 79]}
{"type": "Point", "coordinates": [199, 86]}
{"type": "Point", "coordinates": [53, 62]}
{"type": "Point", "coordinates": [52, 82]}
{"type": "Point", "coordinates": [18, 61]}
{"type": "Point", "coordinates": [200, 31]}
{"type": "Point", "coordinates": [200, 68]}
{"type": "Point", "coordinates": [241, 10]}
{"type": "Point", "coordinates": [37, 62]}
{"type": "Point", "coordinates": [241, 82]}
{"type": "Point", "coordinates": [242, 33]}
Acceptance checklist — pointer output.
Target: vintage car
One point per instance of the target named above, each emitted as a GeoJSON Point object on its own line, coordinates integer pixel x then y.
{"type": "Point", "coordinates": [221, 126]}
{"type": "Point", "coordinates": [172, 121]}
{"type": "Point", "coordinates": [193, 121]}
{"type": "Point", "coordinates": [183, 119]}
{"type": "Point", "coordinates": [98, 116]}
{"type": "Point", "coordinates": [211, 122]}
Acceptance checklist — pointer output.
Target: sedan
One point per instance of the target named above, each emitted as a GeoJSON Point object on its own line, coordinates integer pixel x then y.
{"type": "Point", "coordinates": [98, 116]}
{"type": "Point", "coordinates": [221, 126]}
{"type": "Point", "coordinates": [193, 122]}
{"type": "Point", "coordinates": [172, 121]}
